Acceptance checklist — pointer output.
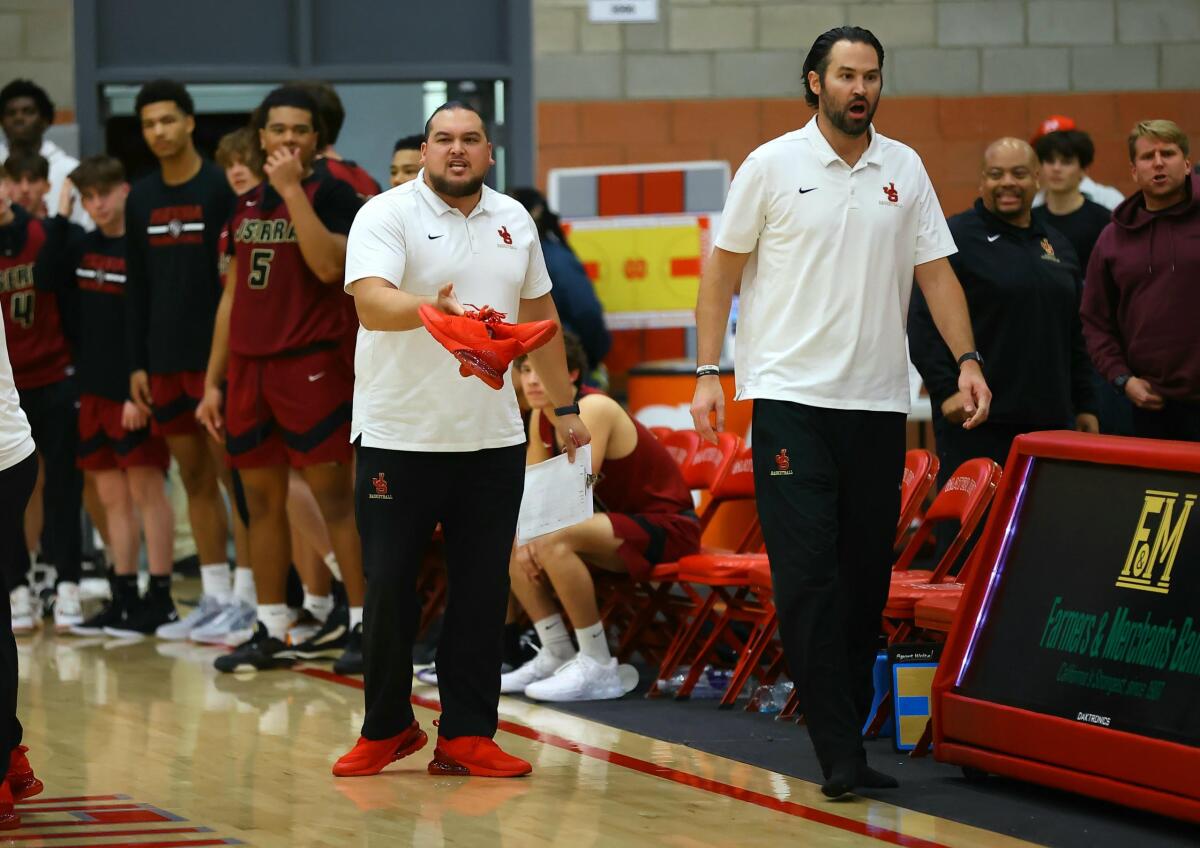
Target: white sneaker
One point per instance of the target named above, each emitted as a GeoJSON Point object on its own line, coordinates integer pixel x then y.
{"type": "Point", "coordinates": [427, 675]}
{"type": "Point", "coordinates": [203, 613]}
{"type": "Point", "coordinates": [584, 679]}
{"type": "Point", "coordinates": [236, 616]}
{"type": "Point", "coordinates": [21, 600]}
{"type": "Point", "coordinates": [539, 668]}
{"type": "Point", "coordinates": [68, 610]}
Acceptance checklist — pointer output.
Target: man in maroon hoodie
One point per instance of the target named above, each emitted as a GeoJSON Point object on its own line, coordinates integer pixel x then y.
{"type": "Point", "coordinates": [1141, 297]}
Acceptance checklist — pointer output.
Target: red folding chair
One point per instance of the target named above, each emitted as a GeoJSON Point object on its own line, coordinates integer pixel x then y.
{"type": "Point", "coordinates": [661, 433]}
{"type": "Point", "coordinates": [920, 473]}
{"type": "Point", "coordinates": [728, 597]}
{"type": "Point", "coordinates": [964, 499]}
{"type": "Point", "coordinates": [682, 446]}
{"type": "Point", "coordinates": [640, 610]}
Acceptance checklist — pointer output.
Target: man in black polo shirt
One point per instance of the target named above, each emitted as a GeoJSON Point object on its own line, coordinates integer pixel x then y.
{"type": "Point", "coordinates": [1023, 284]}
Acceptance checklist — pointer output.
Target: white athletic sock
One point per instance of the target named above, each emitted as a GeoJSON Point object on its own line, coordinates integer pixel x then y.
{"type": "Point", "coordinates": [552, 633]}
{"type": "Point", "coordinates": [332, 564]}
{"type": "Point", "coordinates": [319, 605]}
{"type": "Point", "coordinates": [215, 581]}
{"type": "Point", "coordinates": [355, 617]}
{"type": "Point", "coordinates": [276, 618]}
{"type": "Point", "coordinates": [243, 586]}
{"type": "Point", "coordinates": [593, 642]}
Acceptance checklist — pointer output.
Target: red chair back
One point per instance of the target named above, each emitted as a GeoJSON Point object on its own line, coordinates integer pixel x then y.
{"type": "Point", "coordinates": [709, 461]}
{"type": "Point", "coordinates": [661, 433]}
{"type": "Point", "coordinates": [965, 499]}
{"type": "Point", "coordinates": [682, 446]}
{"type": "Point", "coordinates": [920, 472]}
{"type": "Point", "coordinates": [737, 481]}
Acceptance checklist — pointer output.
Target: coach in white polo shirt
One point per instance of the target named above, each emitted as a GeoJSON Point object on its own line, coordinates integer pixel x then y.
{"type": "Point", "coordinates": [824, 228]}
{"type": "Point", "coordinates": [435, 447]}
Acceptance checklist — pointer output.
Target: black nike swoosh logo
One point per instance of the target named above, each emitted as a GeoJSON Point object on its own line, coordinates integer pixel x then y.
{"type": "Point", "coordinates": [807, 190]}
{"type": "Point", "coordinates": [431, 238]}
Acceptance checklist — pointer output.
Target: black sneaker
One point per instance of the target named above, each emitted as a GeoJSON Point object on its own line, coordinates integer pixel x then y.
{"type": "Point", "coordinates": [143, 618]}
{"type": "Point", "coordinates": [94, 626]}
{"type": "Point", "coordinates": [261, 652]}
{"type": "Point", "coordinates": [351, 660]}
{"type": "Point", "coordinates": [329, 642]}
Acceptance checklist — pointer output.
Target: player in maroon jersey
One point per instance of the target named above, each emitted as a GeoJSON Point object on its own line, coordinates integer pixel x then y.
{"type": "Point", "coordinates": [41, 362]}
{"type": "Point", "coordinates": [278, 340]}
{"type": "Point", "coordinates": [333, 115]}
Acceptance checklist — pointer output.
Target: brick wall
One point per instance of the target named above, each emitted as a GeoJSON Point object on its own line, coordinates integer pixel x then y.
{"type": "Point", "coordinates": [754, 48]}
{"type": "Point", "coordinates": [949, 132]}
{"type": "Point", "coordinates": [37, 41]}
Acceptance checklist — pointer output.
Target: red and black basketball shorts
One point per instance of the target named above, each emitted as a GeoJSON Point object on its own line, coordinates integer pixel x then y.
{"type": "Point", "coordinates": [650, 538]}
{"type": "Point", "coordinates": [291, 410]}
{"type": "Point", "coordinates": [175, 398]}
{"type": "Point", "coordinates": [105, 444]}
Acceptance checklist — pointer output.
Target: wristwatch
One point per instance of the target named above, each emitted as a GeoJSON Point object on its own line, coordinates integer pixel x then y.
{"type": "Point", "coordinates": [971, 355]}
{"type": "Point", "coordinates": [1120, 380]}
{"type": "Point", "coordinates": [570, 409]}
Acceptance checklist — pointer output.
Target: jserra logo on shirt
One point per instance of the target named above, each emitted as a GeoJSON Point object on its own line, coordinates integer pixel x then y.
{"type": "Point", "coordinates": [1048, 251]}
{"type": "Point", "coordinates": [270, 231]}
{"type": "Point", "coordinates": [889, 190]}
{"type": "Point", "coordinates": [176, 225]}
{"type": "Point", "coordinates": [504, 234]}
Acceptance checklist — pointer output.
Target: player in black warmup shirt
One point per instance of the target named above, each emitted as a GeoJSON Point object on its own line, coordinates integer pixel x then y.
{"type": "Point", "coordinates": [175, 216]}
{"type": "Point", "coordinates": [116, 447]}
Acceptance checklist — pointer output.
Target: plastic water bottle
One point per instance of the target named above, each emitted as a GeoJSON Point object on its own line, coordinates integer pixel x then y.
{"type": "Point", "coordinates": [711, 684]}
{"type": "Point", "coordinates": [771, 699]}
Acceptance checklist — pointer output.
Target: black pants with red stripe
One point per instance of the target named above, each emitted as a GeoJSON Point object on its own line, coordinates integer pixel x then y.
{"type": "Point", "coordinates": [16, 485]}
{"type": "Point", "coordinates": [400, 497]}
{"type": "Point", "coordinates": [829, 516]}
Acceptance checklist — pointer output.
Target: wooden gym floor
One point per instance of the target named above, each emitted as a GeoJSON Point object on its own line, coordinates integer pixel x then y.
{"type": "Point", "coordinates": [143, 743]}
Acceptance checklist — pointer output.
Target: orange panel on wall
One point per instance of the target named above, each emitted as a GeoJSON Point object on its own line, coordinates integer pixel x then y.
{"type": "Point", "coordinates": [619, 194]}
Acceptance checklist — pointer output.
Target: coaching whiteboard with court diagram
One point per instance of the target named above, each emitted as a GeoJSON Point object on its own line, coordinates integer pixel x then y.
{"type": "Point", "coordinates": [558, 494]}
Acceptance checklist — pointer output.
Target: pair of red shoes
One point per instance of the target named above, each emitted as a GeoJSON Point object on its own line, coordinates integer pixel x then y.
{"type": "Point", "coordinates": [482, 343]}
{"type": "Point", "coordinates": [463, 756]}
{"type": "Point", "coordinates": [21, 783]}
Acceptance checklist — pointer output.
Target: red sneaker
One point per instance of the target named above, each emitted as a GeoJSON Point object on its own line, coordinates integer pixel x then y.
{"type": "Point", "coordinates": [482, 343]}
{"type": "Point", "coordinates": [21, 779]}
{"type": "Point", "coordinates": [475, 756]}
{"type": "Point", "coordinates": [9, 820]}
{"type": "Point", "coordinates": [370, 756]}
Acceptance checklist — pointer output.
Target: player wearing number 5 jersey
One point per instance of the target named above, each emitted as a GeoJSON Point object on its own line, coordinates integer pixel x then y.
{"type": "Point", "coordinates": [278, 342]}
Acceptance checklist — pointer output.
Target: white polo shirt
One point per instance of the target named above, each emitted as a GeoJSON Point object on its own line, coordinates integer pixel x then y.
{"type": "Point", "coordinates": [16, 439]}
{"type": "Point", "coordinates": [824, 297]}
{"type": "Point", "coordinates": [408, 394]}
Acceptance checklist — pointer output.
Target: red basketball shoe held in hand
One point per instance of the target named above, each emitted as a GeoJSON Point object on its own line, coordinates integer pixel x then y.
{"type": "Point", "coordinates": [482, 342]}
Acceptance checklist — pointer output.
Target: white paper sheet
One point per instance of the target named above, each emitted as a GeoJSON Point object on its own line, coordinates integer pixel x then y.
{"type": "Point", "coordinates": [557, 495]}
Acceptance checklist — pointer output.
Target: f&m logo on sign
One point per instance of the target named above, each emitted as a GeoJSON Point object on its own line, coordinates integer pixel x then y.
{"type": "Point", "coordinates": [1146, 557]}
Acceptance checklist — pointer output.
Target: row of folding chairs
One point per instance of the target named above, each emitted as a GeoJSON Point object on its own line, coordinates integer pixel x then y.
{"type": "Point", "coordinates": [688, 613]}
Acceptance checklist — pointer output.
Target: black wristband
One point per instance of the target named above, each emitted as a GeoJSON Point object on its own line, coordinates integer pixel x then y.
{"type": "Point", "coordinates": [971, 355]}
{"type": "Point", "coordinates": [570, 409]}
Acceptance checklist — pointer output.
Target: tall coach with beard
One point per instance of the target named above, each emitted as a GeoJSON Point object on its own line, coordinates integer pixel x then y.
{"type": "Point", "coordinates": [434, 448]}
{"type": "Point", "coordinates": [824, 228]}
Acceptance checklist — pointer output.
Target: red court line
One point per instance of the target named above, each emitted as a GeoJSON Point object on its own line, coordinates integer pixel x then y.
{"type": "Point", "coordinates": [77, 798]}
{"type": "Point", "coordinates": [182, 843]}
{"type": "Point", "coordinates": [128, 805]}
{"type": "Point", "coordinates": [737, 793]}
{"type": "Point", "coordinates": [98, 834]}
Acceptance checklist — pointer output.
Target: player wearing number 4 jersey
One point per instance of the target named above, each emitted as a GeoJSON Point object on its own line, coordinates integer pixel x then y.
{"type": "Point", "coordinates": [278, 340]}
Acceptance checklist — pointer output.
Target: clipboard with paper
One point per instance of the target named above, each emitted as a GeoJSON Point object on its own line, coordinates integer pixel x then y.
{"type": "Point", "coordinates": [558, 494]}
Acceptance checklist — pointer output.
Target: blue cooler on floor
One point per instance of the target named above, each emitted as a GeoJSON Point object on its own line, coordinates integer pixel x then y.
{"type": "Point", "coordinates": [883, 684]}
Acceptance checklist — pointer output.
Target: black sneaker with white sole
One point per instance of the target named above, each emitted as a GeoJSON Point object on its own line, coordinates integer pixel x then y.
{"type": "Point", "coordinates": [351, 660]}
{"type": "Point", "coordinates": [261, 652]}
{"type": "Point", "coordinates": [329, 642]}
